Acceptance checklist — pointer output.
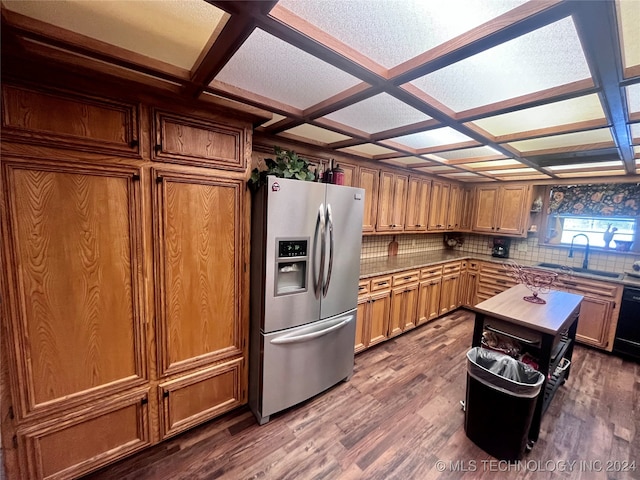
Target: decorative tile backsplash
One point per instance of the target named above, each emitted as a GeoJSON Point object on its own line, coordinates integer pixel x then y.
{"type": "Point", "coordinates": [522, 249]}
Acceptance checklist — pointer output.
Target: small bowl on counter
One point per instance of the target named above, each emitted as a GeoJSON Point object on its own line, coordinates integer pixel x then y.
{"type": "Point", "coordinates": [623, 245]}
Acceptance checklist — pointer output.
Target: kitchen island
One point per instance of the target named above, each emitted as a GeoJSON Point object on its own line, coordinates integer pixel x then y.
{"type": "Point", "coordinates": [545, 331]}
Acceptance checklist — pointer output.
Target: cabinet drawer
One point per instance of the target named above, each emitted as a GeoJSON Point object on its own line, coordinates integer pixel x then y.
{"type": "Point", "coordinates": [497, 280]}
{"type": "Point", "coordinates": [70, 446]}
{"type": "Point", "coordinates": [431, 272]}
{"type": "Point", "coordinates": [473, 265]}
{"type": "Point", "coordinates": [71, 120]}
{"type": "Point", "coordinates": [448, 268]}
{"type": "Point", "coordinates": [589, 287]}
{"type": "Point", "coordinates": [488, 291]}
{"type": "Point", "coordinates": [192, 399]}
{"type": "Point", "coordinates": [195, 141]}
{"type": "Point", "coordinates": [380, 283]}
{"type": "Point", "coordinates": [364, 287]}
{"type": "Point", "coordinates": [494, 268]}
{"type": "Point", "coordinates": [406, 277]}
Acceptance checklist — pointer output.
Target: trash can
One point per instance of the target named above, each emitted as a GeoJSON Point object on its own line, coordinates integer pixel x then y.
{"type": "Point", "coordinates": [500, 401]}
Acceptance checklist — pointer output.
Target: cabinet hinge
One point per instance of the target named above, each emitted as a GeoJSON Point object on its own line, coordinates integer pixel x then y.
{"type": "Point", "coordinates": [158, 147]}
{"type": "Point", "coordinates": [15, 441]}
{"type": "Point", "coordinates": [159, 180]}
{"type": "Point", "coordinates": [135, 177]}
{"type": "Point", "coordinates": [144, 401]}
{"type": "Point", "coordinates": [165, 394]}
{"type": "Point", "coordinates": [134, 143]}
{"type": "Point", "coordinates": [11, 415]}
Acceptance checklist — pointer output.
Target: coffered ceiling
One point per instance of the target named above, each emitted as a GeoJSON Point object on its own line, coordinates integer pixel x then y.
{"type": "Point", "coordinates": [472, 90]}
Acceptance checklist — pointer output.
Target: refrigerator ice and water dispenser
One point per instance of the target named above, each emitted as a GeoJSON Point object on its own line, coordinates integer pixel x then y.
{"type": "Point", "coordinates": [291, 266]}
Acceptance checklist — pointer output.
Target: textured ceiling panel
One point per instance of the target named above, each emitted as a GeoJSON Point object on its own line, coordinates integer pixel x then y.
{"type": "Point", "coordinates": [493, 164]}
{"type": "Point", "coordinates": [432, 138]}
{"type": "Point", "coordinates": [316, 134]}
{"type": "Point", "coordinates": [604, 173]}
{"type": "Point", "coordinates": [629, 13]}
{"type": "Point", "coordinates": [276, 118]}
{"type": "Point", "coordinates": [378, 113]}
{"type": "Point", "coordinates": [633, 98]}
{"type": "Point", "coordinates": [391, 32]}
{"type": "Point", "coordinates": [567, 140]}
{"type": "Point", "coordinates": [173, 31]}
{"type": "Point", "coordinates": [406, 160]}
{"type": "Point", "coordinates": [585, 166]}
{"type": "Point", "coordinates": [476, 152]}
{"type": "Point", "coordinates": [264, 65]}
{"type": "Point", "coordinates": [554, 114]}
{"type": "Point", "coordinates": [542, 59]}
{"type": "Point", "coordinates": [635, 133]}
{"type": "Point", "coordinates": [367, 149]}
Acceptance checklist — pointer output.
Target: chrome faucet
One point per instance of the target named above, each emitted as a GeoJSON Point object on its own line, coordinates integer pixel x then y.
{"type": "Point", "coordinates": [585, 262]}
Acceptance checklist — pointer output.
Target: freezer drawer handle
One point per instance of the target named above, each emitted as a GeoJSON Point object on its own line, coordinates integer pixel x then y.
{"type": "Point", "coordinates": [311, 336]}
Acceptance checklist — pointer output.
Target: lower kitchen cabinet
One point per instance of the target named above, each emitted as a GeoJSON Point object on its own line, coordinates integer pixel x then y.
{"type": "Point", "coordinates": [429, 293]}
{"type": "Point", "coordinates": [193, 399]}
{"type": "Point", "coordinates": [374, 308]}
{"type": "Point", "coordinates": [450, 287]}
{"type": "Point", "coordinates": [76, 443]}
{"type": "Point", "coordinates": [404, 309]}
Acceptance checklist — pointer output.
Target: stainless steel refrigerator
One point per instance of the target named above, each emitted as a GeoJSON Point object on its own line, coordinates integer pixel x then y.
{"type": "Point", "coordinates": [305, 264]}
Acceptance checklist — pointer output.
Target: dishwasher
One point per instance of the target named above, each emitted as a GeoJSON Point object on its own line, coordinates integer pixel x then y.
{"type": "Point", "coordinates": [627, 340]}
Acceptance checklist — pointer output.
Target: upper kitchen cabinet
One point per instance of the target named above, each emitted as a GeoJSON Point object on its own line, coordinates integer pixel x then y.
{"type": "Point", "coordinates": [417, 215]}
{"type": "Point", "coordinates": [502, 210]}
{"type": "Point", "coordinates": [368, 179]}
{"type": "Point", "coordinates": [438, 206]}
{"type": "Point", "coordinates": [455, 207]}
{"type": "Point", "coordinates": [466, 209]}
{"type": "Point", "coordinates": [392, 202]}
{"type": "Point", "coordinates": [73, 248]}
{"type": "Point", "coordinates": [69, 120]}
{"type": "Point", "coordinates": [199, 142]}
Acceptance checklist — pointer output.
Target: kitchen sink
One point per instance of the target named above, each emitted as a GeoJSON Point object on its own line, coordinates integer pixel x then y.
{"type": "Point", "coordinates": [587, 271]}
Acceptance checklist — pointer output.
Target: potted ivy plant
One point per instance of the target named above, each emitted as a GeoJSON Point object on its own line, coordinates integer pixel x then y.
{"type": "Point", "coordinates": [287, 164]}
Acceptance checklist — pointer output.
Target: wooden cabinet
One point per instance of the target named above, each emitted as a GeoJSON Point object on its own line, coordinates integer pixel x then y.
{"type": "Point", "coordinates": [502, 210]}
{"type": "Point", "coordinates": [67, 447]}
{"type": "Point", "coordinates": [468, 284]}
{"type": "Point", "coordinates": [454, 208]}
{"type": "Point", "coordinates": [598, 312]}
{"type": "Point", "coordinates": [368, 180]}
{"type": "Point", "coordinates": [198, 257]}
{"type": "Point", "coordinates": [466, 220]}
{"type": "Point", "coordinates": [69, 120]}
{"type": "Point", "coordinates": [492, 279]}
{"type": "Point", "coordinates": [391, 202]}
{"type": "Point", "coordinates": [429, 293]}
{"type": "Point", "coordinates": [438, 206]}
{"type": "Point", "coordinates": [418, 196]}
{"type": "Point", "coordinates": [374, 307]}
{"type": "Point", "coordinates": [404, 302]}
{"type": "Point", "coordinates": [196, 141]}
{"type": "Point", "coordinates": [75, 238]}
{"type": "Point", "coordinates": [450, 287]}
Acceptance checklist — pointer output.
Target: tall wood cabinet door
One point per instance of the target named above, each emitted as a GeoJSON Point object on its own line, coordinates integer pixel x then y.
{"type": "Point", "coordinates": [385, 202]}
{"type": "Point", "coordinates": [400, 184]}
{"type": "Point", "coordinates": [361, 323]}
{"type": "Point", "coordinates": [368, 180]}
{"type": "Point", "coordinates": [513, 209]}
{"type": "Point", "coordinates": [73, 244]}
{"type": "Point", "coordinates": [380, 308]}
{"type": "Point", "coordinates": [454, 210]}
{"type": "Point", "coordinates": [438, 207]}
{"type": "Point", "coordinates": [467, 209]}
{"type": "Point", "coordinates": [404, 304]}
{"type": "Point", "coordinates": [485, 212]}
{"type": "Point", "coordinates": [199, 256]}
{"type": "Point", "coordinates": [411, 307]}
{"type": "Point", "coordinates": [349, 174]}
{"type": "Point", "coordinates": [593, 323]}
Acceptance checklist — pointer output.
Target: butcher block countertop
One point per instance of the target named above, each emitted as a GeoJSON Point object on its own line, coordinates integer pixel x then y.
{"type": "Point", "coordinates": [551, 317]}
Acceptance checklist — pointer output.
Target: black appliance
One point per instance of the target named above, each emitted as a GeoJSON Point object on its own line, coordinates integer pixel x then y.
{"type": "Point", "coordinates": [501, 247]}
{"type": "Point", "coordinates": [627, 341]}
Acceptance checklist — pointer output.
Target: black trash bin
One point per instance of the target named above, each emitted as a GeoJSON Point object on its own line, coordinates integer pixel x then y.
{"type": "Point", "coordinates": [500, 401]}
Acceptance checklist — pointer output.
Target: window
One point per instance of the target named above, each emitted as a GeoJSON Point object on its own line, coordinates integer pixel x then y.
{"type": "Point", "coordinates": [597, 229]}
{"type": "Point", "coordinates": [608, 214]}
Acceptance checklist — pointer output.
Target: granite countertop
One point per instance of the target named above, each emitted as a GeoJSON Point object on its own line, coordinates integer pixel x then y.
{"type": "Point", "coordinates": [374, 267]}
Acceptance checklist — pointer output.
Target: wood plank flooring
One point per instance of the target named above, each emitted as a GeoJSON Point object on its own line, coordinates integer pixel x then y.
{"type": "Point", "coordinates": [400, 415]}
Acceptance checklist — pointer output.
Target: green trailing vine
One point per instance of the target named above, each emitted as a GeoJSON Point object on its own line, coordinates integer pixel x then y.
{"type": "Point", "coordinates": [287, 164]}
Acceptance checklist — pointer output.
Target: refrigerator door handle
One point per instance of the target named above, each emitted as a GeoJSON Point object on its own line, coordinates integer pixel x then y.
{"type": "Point", "coordinates": [325, 287]}
{"type": "Point", "coordinates": [319, 236]}
{"type": "Point", "coordinates": [310, 336]}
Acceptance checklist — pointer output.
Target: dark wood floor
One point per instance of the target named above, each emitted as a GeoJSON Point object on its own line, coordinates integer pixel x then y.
{"type": "Point", "coordinates": [400, 415]}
